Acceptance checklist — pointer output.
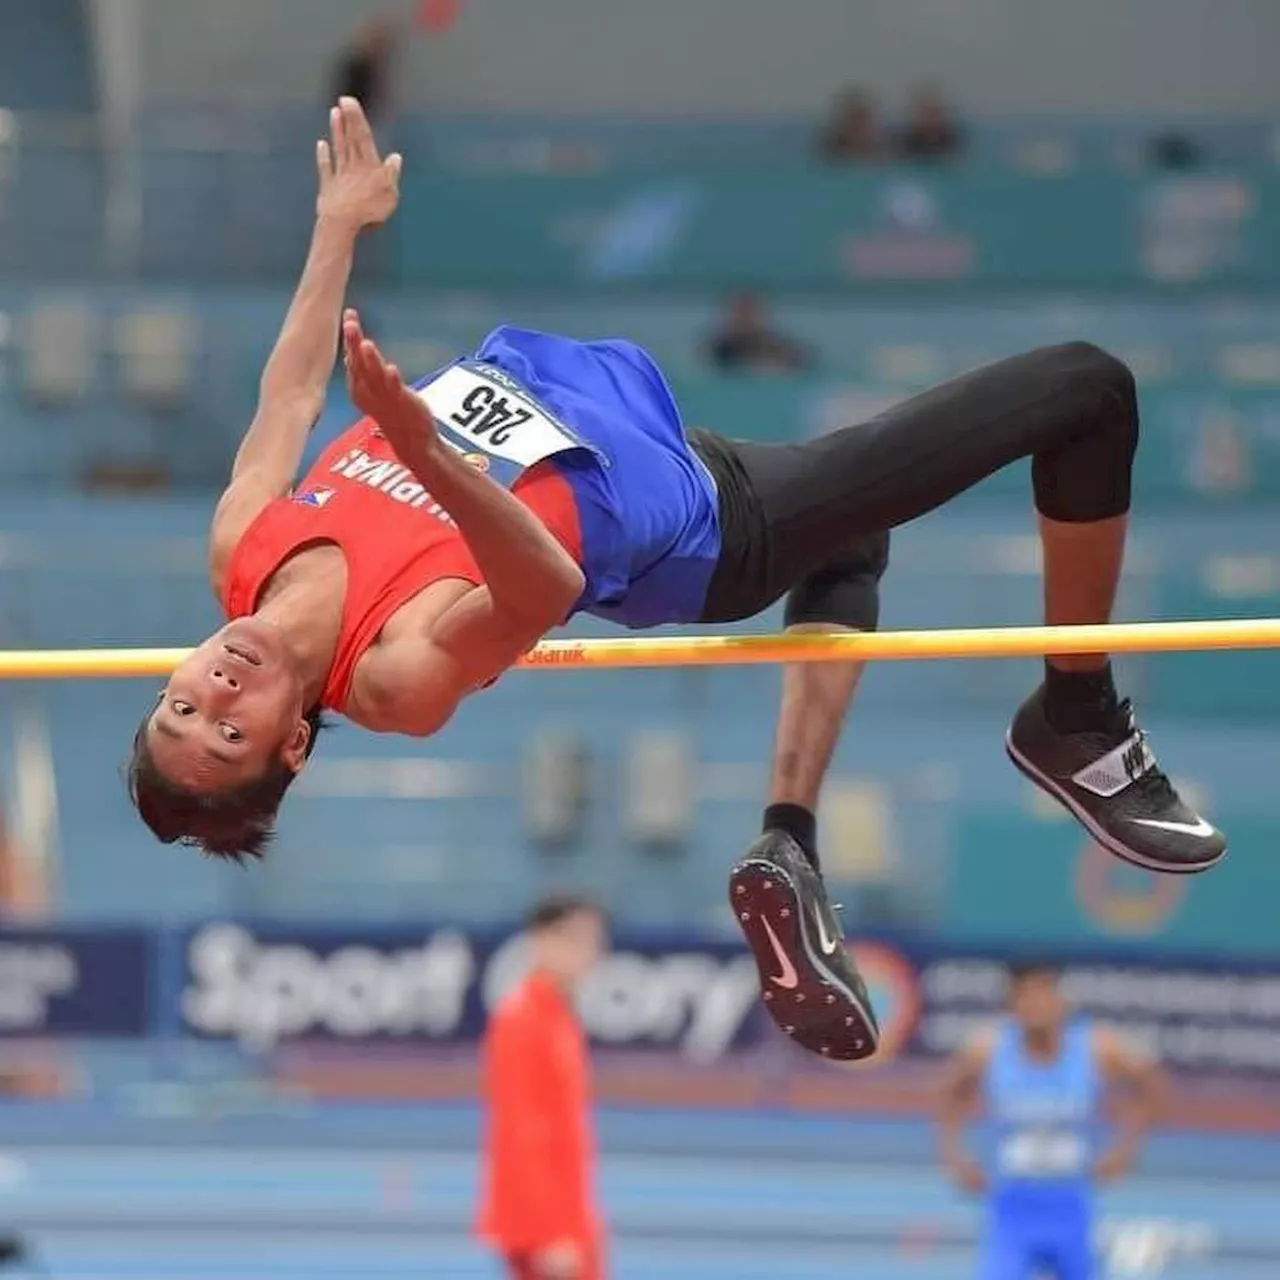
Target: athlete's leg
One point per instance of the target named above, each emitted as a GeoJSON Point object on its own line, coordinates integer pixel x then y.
{"type": "Point", "coordinates": [1070, 409]}
{"type": "Point", "coordinates": [820, 1000]}
{"type": "Point", "coordinates": [1073, 411]}
{"type": "Point", "coordinates": [1071, 1254]}
{"type": "Point", "coordinates": [841, 596]}
{"type": "Point", "coordinates": [1074, 1259]}
{"type": "Point", "coordinates": [1003, 1252]}
{"type": "Point", "coordinates": [835, 590]}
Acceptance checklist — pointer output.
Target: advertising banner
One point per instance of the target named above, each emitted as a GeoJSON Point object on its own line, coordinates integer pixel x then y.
{"type": "Point", "coordinates": [75, 982]}
{"type": "Point", "coordinates": [689, 998]}
{"type": "Point", "coordinates": [1195, 1017]}
{"type": "Point", "coordinates": [260, 986]}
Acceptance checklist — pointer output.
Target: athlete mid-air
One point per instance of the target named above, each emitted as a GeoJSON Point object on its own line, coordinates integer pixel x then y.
{"type": "Point", "coordinates": [443, 535]}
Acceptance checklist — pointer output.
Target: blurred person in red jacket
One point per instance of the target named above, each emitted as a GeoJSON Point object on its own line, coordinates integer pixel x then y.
{"type": "Point", "coordinates": [538, 1207]}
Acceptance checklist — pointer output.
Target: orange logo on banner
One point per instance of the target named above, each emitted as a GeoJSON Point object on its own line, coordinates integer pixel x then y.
{"type": "Point", "coordinates": [1121, 899]}
{"type": "Point", "coordinates": [895, 994]}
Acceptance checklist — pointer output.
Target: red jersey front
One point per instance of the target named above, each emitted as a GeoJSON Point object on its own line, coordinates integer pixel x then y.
{"type": "Point", "coordinates": [396, 538]}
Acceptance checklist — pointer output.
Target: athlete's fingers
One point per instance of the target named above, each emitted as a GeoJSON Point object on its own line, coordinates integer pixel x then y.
{"type": "Point", "coordinates": [389, 377]}
{"type": "Point", "coordinates": [351, 335]}
{"type": "Point", "coordinates": [368, 375]}
{"type": "Point", "coordinates": [362, 348]}
{"type": "Point", "coordinates": [357, 365]}
{"type": "Point", "coordinates": [380, 381]}
{"type": "Point", "coordinates": [324, 161]}
{"type": "Point", "coordinates": [368, 395]}
{"type": "Point", "coordinates": [356, 126]}
{"type": "Point", "coordinates": [374, 365]}
{"type": "Point", "coordinates": [338, 133]}
{"type": "Point", "coordinates": [350, 355]}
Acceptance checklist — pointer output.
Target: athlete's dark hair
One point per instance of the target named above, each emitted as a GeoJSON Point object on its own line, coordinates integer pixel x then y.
{"type": "Point", "coordinates": [235, 824]}
{"type": "Point", "coordinates": [1021, 970]}
{"type": "Point", "coordinates": [557, 908]}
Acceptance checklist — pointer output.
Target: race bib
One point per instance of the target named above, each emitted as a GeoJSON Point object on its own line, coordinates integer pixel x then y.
{"type": "Point", "coordinates": [479, 409]}
{"type": "Point", "coordinates": [1042, 1153]}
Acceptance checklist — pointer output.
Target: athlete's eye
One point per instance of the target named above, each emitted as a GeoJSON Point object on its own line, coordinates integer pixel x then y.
{"type": "Point", "coordinates": [181, 708]}
{"type": "Point", "coordinates": [231, 733]}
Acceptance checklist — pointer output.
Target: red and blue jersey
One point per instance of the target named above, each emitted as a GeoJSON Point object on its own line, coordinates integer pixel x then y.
{"type": "Point", "coordinates": [646, 504]}
{"type": "Point", "coordinates": [586, 434]}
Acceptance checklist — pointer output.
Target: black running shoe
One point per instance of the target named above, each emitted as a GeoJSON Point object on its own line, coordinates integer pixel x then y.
{"type": "Point", "coordinates": [1110, 780]}
{"type": "Point", "coordinates": [807, 977]}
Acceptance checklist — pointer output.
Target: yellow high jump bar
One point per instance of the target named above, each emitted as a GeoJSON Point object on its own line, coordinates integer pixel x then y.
{"type": "Point", "coordinates": [744, 650]}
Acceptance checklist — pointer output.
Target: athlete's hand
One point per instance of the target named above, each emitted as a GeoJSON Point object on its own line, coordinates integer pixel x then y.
{"type": "Point", "coordinates": [357, 187]}
{"type": "Point", "coordinates": [561, 1260]}
{"type": "Point", "coordinates": [378, 390]}
{"type": "Point", "coordinates": [1113, 1164]}
{"type": "Point", "coordinates": [967, 1175]}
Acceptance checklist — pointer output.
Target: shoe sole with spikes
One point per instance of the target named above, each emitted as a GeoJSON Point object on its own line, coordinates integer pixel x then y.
{"type": "Point", "coordinates": [808, 980]}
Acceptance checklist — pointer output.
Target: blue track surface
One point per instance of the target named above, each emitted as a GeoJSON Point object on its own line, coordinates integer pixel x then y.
{"type": "Point", "coordinates": [766, 1198]}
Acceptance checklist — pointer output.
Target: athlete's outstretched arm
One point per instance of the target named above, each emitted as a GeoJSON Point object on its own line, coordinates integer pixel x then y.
{"type": "Point", "coordinates": [358, 189]}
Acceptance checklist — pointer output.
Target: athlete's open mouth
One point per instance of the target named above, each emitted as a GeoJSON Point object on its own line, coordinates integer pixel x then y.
{"type": "Point", "coordinates": [245, 655]}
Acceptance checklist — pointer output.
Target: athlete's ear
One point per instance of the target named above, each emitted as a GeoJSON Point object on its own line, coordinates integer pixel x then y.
{"type": "Point", "coordinates": [294, 751]}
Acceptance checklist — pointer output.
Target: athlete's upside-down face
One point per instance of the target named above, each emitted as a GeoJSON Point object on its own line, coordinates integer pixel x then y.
{"type": "Point", "coordinates": [229, 712]}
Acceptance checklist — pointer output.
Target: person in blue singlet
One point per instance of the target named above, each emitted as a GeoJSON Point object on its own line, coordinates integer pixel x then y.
{"type": "Point", "coordinates": [538, 477]}
{"type": "Point", "coordinates": [1039, 1079]}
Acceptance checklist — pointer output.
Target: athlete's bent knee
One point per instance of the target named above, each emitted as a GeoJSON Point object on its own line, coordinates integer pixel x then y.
{"type": "Point", "coordinates": [1111, 379]}
{"type": "Point", "coordinates": [844, 592]}
{"type": "Point", "coordinates": [1087, 476]}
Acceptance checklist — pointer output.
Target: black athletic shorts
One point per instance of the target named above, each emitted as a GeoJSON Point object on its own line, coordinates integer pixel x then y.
{"type": "Point", "coordinates": [807, 518]}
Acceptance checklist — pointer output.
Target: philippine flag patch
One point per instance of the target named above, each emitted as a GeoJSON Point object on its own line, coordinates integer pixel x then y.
{"type": "Point", "coordinates": [314, 497]}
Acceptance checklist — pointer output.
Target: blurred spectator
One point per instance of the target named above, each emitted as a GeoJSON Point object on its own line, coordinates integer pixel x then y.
{"type": "Point", "coordinates": [1173, 150]}
{"type": "Point", "coordinates": [1040, 1078]}
{"type": "Point", "coordinates": [852, 132]}
{"type": "Point", "coordinates": [539, 1201]}
{"type": "Point", "coordinates": [745, 342]}
{"type": "Point", "coordinates": [363, 70]}
{"type": "Point", "coordinates": [30, 1070]}
{"type": "Point", "coordinates": [23, 891]}
{"type": "Point", "coordinates": [931, 131]}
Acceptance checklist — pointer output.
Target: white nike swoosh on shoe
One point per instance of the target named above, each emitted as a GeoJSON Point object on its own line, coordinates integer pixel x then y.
{"type": "Point", "coordinates": [1197, 828]}
{"type": "Point", "coordinates": [788, 978]}
{"type": "Point", "coordinates": [827, 944]}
